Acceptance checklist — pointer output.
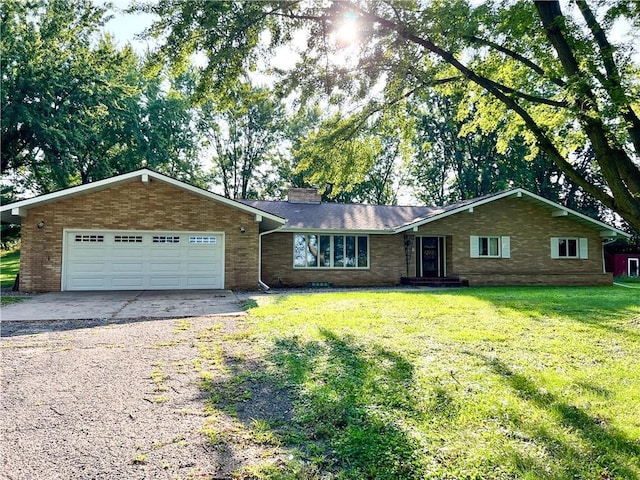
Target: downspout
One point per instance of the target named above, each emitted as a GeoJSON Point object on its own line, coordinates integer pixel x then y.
{"type": "Point", "coordinates": [261, 284]}
{"type": "Point", "coordinates": [604, 244]}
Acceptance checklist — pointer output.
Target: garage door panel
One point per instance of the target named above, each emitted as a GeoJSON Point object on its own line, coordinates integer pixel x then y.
{"type": "Point", "coordinates": [87, 283]}
{"type": "Point", "coordinates": [83, 253]}
{"type": "Point", "coordinates": [200, 282]}
{"type": "Point", "coordinates": [165, 268]}
{"type": "Point", "coordinates": [200, 268]}
{"type": "Point", "coordinates": [116, 254]}
{"type": "Point", "coordinates": [88, 268]}
{"type": "Point", "coordinates": [127, 283]}
{"type": "Point", "coordinates": [121, 267]}
{"type": "Point", "coordinates": [197, 255]}
{"type": "Point", "coordinates": [133, 260]}
{"type": "Point", "coordinates": [160, 282]}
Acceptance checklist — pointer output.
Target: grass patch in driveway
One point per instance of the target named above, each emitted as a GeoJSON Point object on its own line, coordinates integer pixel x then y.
{"type": "Point", "coordinates": [471, 383]}
{"type": "Point", "coordinates": [10, 299]}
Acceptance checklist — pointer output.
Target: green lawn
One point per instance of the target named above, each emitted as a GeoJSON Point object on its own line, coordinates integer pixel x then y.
{"type": "Point", "coordinates": [472, 383]}
{"type": "Point", "coordinates": [628, 281]}
{"type": "Point", "coordinates": [9, 267]}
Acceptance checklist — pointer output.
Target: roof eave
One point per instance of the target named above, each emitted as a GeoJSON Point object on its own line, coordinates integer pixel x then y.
{"type": "Point", "coordinates": [12, 212]}
{"type": "Point", "coordinates": [518, 192]}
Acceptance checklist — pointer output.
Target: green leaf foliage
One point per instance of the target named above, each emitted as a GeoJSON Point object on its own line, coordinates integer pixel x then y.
{"type": "Point", "coordinates": [76, 108]}
{"type": "Point", "coordinates": [549, 77]}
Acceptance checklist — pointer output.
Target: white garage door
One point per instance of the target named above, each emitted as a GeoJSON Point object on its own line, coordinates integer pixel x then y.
{"type": "Point", "coordinates": [136, 260]}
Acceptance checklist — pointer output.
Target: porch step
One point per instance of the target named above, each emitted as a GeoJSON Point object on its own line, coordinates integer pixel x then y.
{"type": "Point", "coordinates": [434, 282]}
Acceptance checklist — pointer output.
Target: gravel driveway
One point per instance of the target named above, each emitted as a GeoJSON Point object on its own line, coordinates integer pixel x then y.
{"type": "Point", "coordinates": [89, 400]}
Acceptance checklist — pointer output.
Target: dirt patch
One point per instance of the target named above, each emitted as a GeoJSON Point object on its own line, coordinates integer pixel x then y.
{"type": "Point", "coordinates": [93, 400]}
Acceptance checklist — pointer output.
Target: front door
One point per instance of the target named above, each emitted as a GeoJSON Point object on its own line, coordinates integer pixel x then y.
{"type": "Point", "coordinates": [430, 257]}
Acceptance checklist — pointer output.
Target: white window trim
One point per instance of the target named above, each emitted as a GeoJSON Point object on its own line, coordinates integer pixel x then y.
{"type": "Point", "coordinates": [582, 248]}
{"type": "Point", "coordinates": [631, 261]}
{"type": "Point", "coordinates": [504, 246]}
{"type": "Point", "coordinates": [331, 249]}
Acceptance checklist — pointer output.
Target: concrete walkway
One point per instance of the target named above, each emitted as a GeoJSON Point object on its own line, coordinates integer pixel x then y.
{"type": "Point", "coordinates": [123, 305]}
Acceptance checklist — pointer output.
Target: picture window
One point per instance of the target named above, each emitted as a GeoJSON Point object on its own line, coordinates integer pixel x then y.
{"type": "Point", "coordinates": [330, 251]}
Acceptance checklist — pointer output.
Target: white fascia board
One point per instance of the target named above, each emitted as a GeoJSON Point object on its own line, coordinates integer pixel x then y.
{"type": "Point", "coordinates": [71, 191]}
{"type": "Point", "coordinates": [518, 192]}
{"type": "Point", "coordinates": [576, 214]}
{"type": "Point", "coordinates": [144, 174]}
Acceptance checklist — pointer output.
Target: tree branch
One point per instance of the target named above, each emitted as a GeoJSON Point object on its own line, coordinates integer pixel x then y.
{"type": "Point", "coordinates": [613, 83]}
{"type": "Point", "coordinates": [516, 56]}
{"type": "Point", "coordinates": [526, 96]}
{"type": "Point", "coordinates": [544, 141]}
{"type": "Point", "coordinates": [621, 174]}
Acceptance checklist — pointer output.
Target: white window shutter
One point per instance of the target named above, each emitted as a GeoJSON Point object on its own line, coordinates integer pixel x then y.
{"type": "Point", "coordinates": [475, 251]}
{"type": "Point", "coordinates": [506, 247]}
{"type": "Point", "coordinates": [554, 247]}
{"type": "Point", "coordinates": [584, 248]}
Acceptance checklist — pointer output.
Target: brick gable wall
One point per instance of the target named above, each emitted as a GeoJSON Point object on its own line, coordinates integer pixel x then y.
{"type": "Point", "coordinates": [135, 206]}
{"type": "Point", "coordinates": [530, 227]}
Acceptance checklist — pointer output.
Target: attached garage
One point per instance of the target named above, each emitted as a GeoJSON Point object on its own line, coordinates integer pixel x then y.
{"type": "Point", "coordinates": [138, 231]}
{"type": "Point", "coordinates": [142, 260]}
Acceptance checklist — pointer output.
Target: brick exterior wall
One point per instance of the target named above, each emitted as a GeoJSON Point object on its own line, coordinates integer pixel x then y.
{"type": "Point", "coordinates": [159, 206]}
{"type": "Point", "coordinates": [530, 227]}
{"type": "Point", "coordinates": [135, 206]}
{"type": "Point", "coordinates": [386, 257]}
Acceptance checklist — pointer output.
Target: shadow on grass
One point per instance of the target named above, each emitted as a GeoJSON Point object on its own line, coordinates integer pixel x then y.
{"type": "Point", "coordinates": [608, 449]}
{"type": "Point", "coordinates": [354, 410]}
{"type": "Point", "coordinates": [353, 402]}
{"type": "Point", "coordinates": [340, 407]}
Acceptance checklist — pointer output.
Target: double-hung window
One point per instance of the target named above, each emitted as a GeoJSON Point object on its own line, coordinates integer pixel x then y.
{"type": "Point", "coordinates": [312, 250]}
{"type": "Point", "coordinates": [568, 247]}
{"type": "Point", "coordinates": [490, 247]}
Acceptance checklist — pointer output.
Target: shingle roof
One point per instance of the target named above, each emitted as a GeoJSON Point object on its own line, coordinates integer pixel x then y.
{"type": "Point", "coordinates": [358, 217]}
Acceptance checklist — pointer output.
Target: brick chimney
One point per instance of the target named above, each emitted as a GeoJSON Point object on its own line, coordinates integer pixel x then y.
{"type": "Point", "coordinates": [303, 195]}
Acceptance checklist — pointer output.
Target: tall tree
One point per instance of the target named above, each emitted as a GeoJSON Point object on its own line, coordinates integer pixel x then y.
{"type": "Point", "coordinates": [76, 108]}
{"type": "Point", "coordinates": [362, 158]}
{"type": "Point", "coordinates": [167, 138]}
{"type": "Point", "coordinates": [454, 163]}
{"type": "Point", "coordinates": [242, 130]}
{"type": "Point", "coordinates": [47, 73]}
{"type": "Point", "coordinates": [553, 77]}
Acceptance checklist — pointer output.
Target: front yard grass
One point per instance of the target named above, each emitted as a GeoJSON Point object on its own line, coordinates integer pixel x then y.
{"type": "Point", "coordinates": [472, 383]}
{"type": "Point", "coordinates": [628, 281]}
{"type": "Point", "coordinates": [9, 267]}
